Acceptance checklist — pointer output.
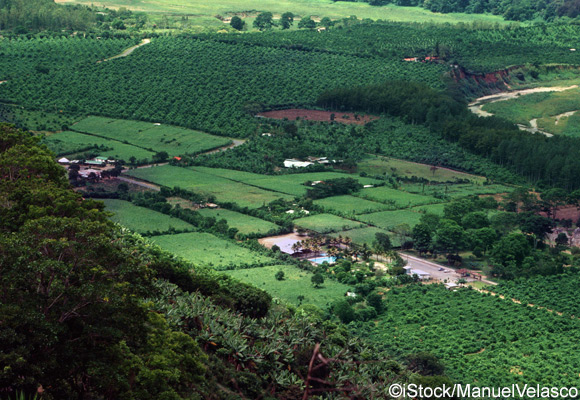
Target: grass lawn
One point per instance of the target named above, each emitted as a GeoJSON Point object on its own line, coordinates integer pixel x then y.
{"type": "Point", "coordinates": [296, 282]}
{"type": "Point", "coordinates": [70, 143]}
{"type": "Point", "coordinates": [322, 8]}
{"type": "Point", "coordinates": [223, 189]}
{"type": "Point", "coordinates": [350, 205]}
{"type": "Point", "coordinates": [389, 219]}
{"type": "Point", "coordinates": [449, 190]}
{"type": "Point", "coordinates": [366, 235]}
{"type": "Point", "coordinates": [378, 165]}
{"type": "Point", "coordinates": [141, 220]}
{"type": "Point", "coordinates": [326, 223]}
{"type": "Point", "coordinates": [431, 208]}
{"type": "Point", "coordinates": [154, 137]}
{"type": "Point", "coordinates": [396, 198]}
{"type": "Point", "coordinates": [245, 224]}
{"type": "Point", "coordinates": [206, 249]}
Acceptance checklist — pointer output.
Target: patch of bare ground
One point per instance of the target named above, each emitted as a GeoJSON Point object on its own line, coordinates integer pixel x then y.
{"type": "Point", "coordinates": [318, 115]}
{"type": "Point", "coordinates": [111, 185]}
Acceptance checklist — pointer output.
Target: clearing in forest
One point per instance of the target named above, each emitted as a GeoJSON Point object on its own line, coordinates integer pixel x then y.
{"type": "Point", "coordinates": [318, 115]}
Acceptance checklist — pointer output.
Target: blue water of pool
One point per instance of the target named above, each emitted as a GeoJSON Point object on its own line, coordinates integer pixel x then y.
{"type": "Point", "coordinates": [320, 260]}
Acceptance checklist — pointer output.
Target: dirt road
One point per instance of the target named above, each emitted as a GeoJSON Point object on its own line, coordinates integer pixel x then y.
{"type": "Point", "coordinates": [128, 51]}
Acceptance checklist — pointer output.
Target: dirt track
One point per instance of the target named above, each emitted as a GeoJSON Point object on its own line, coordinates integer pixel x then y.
{"type": "Point", "coordinates": [129, 50]}
{"type": "Point", "coordinates": [476, 105]}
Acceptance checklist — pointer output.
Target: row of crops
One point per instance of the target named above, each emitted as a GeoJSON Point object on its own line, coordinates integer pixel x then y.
{"type": "Point", "coordinates": [484, 340]}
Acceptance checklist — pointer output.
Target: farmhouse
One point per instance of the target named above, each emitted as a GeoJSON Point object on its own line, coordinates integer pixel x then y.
{"type": "Point", "coordinates": [451, 285]}
{"type": "Point", "coordinates": [420, 273]}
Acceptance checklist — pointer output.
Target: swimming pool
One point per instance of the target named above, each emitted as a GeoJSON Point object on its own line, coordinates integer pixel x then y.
{"type": "Point", "coordinates": [323, 258]}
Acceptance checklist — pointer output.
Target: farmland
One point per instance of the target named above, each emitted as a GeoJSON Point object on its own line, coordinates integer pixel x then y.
{"type": "Point", "coordinates": [350, 205]}
{"type": "Point", "coordinates": [485, 340]}
{"type": "Point", "coordinates": [245, 224]}
{"type": "Point", "coordinates": [143, 220]}
{"type": "Point", "coordinates": [395, 198]}
{"type": "Point", "coordinates": [224, 190]}
{"type": "Point", "coordinates": [326, 223]}
{"type": "Point", "coordinates": [74, 144]}
{"type": "Point", "coordinates": [390, 219]}
{"type": "Point", "coordinates": [153, 137]}
{"type": "Point", "coordinates": [208, 250]}
{"type": "Point", "coordinates": [375, 165]}
{"type": "Point", "coordinates": [366, 235]}
{"type": "Point", "coordinates": [296, 283]}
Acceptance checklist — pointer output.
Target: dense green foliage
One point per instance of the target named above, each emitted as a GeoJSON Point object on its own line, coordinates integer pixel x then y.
{"type": "Point", "coordinates": [557, 293]}
{"type": "Point", "coordinates": [521, 10]}
{"type": "Point", "coordinates": [36, 15]}
{"type": "Point", "coordinates": [485, 340]}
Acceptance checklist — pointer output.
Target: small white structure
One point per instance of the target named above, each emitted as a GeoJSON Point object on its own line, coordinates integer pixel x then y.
{"type": "Point", "coordinates": [572, 49]}
{"type": "Point", "coordinates": [368, 186]}
{"type": "Point", "coordinates": [350, 294]}
{"type": "Point", "coordinates": [266, 134]}
{"type": "Point", "coordinates": [451, 285]}
{"type": "Point", "coordinates": [64, 160]}
{"type": "Point", "coordinates": [419, 272]}
{"type": "Point", "coordinates": [292, 163]}
{"type": "Point", "coordinates": [85, 173]}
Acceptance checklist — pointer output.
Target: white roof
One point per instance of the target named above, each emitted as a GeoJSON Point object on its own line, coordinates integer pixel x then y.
{"type": "Point", "coordinates": [369, 186]}
{"type": "Point", "coordinates": [296, 164]}
{"type": "Point", "coordinates": [451, 284]}
{"type": "Point", "coordinates": [64, 160]}
{"type": "Point", "coordinates": [419, 272]}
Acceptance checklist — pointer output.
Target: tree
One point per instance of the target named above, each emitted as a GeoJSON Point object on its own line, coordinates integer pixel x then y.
{"type": "Point", "coordinates": [286, 20]}
{"type": "Point", "coordinates": [562, 239]}
{"type": "Point", "coordinates": [402, 231]}
{"type": "Point", "coordinates": [307, 23]}
{"type": "Point", "coordinates": [344, 311]}
{"type": "Point", "coordinates": [264, 21]}
{"type": "Point", "coordinates": [317, 280]}
{"type": "Point", "coordinates": [279, 275]}
{"type": "Point", "coordinates": [509, 253]}
{"type": "Point", "coordinates": [475, 220]}
{"type": "Point", "coordinates": [376, 301]}
{"type": "Point", "coordinates": [326, 22]}
{"type": "Point", "coordinates": [536, 225]}
{"type": "Point", "coordinates": [161, 156]}
{"type": "Point", "coordinates": [449, 236]}
{"type": "Point", "coordinates": [422, 238]}
{"type": "Point", "coordinates": [382, 243]}
{"type": "Point", "coordinates": [237, 23]}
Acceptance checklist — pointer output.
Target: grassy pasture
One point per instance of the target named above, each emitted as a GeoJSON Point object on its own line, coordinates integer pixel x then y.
{"type": "Point", "coordinates": [366, 235]}
{"type": "Point", "coordinates": [377, 165]}
{"type": "Point", "coordinates": [389, 219]}
{"type": "Point", "coordinates": [296, 282]}
{"type": "Point", "coordinates": [70, 143]}
{"type": "Point", "coordinates": [396, 198]}
{"type": "Point", "coordinates": [563, 125]}
{"type": "Point", "coordinates": [172, 139]}
{"type": "Point", "coordinates": [536, 105]}
{"type": "Point", "coordinates": [141, 220]}
{"type": "Point", "coordinates": [454, 190]}
{"type": "Point", "coordinates": [315, 8]}
{"type": "Point", "coordinates": [326, 223]}
{"type": "Point", "coordinates": [431, 208]}
{"type": "Point", "coordinates": [206, 249]}
{"type": "Point", "coordinates": [351, 205]}
{"type": "Point", "coordinates": [245, 224]}
{"type": "Point", "coordinates": [223, 189]}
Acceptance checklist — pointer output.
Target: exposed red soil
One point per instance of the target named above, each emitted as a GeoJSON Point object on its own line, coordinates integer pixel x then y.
{"type": "Point", "coordinates": [566, 212]}
{"type": "Point", "coordinates": [317, 115]}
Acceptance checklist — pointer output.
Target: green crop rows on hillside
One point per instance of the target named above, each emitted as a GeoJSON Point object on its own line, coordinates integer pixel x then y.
{"type": "Point", "coordinates": [326, 223]}
{"type": "Point", "coordinates": [142, 220]}
{"type": "Point", "coordinates": [206, 249]}
{"type": "Point", "coordinates": [484, 340]}
{"type": "Point", "coordinates": [245, 224]}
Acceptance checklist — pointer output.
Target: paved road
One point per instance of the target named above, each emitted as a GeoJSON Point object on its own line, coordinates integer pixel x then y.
{"type": "Point", "coordinates": [433, 269]}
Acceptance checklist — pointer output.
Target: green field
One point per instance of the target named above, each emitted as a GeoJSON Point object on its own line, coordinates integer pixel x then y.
{"type": "Point", "coordinates": [206, 249]}
{"type": "Point", "coordinates": [376, 165]}
{"type": "Point", "coordinates": [223, 189]}
{"type": "Point", "coordinates": [142, 220]}
{"type": "Point", "coordinates": [389, 219]}
{"type": "Point", "coordinates": [326, 223]}
{"type": "Point", "coordinates": [245, 224]}
{"type": "Point", "coordinates": [297, 282]}
{"type": "Point", "coordinates": [292, 184]}
{"type": "Point", "coordinates": [322, 8]}
{"type": "Point", "coordinates": [351, 205]}
{"type": "Point", "coordinates": [542, 106]}
{"type": "Point", "coordinates": [454, 190]}
{"type": "Point", "coordinates": [431, 208]}
{"type": "Point", "coordinates": [366, 235]}
{"type": "Point", "coordinates": [73, 143]}
{"type": "Point", "coordinates": [153, 137]}
{"type": "Point", "coordinates": [396, 198]}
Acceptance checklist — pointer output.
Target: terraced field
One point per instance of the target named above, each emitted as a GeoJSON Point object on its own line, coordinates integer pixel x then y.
{"type": "Point", "coordinates": [326, 223]}
{"type": "Point", "coordinates": [351, 205]}
{"type": "Point", "coordinates": [245, 224]}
